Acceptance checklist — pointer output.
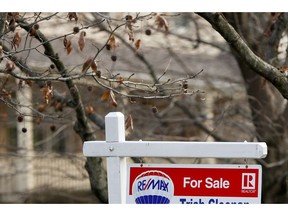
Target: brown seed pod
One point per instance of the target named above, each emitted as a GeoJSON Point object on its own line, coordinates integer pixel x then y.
{"type": "Point", "coordinates": [52, 128]}
{"type": "Point", "coordinates": [41, 108]}
{"type": "Point", "coordinates": [98, 73]}
{"type": "Point", "coordinates": [36, 26]}
{"type": "Point", "coordinates": [20, 118]}
{"type": "Point", "coordinates": [108, 46]}
{"type": "Point", "coordinates": [148, 32]}
{"type": "Point", "coordinates": [128, 17]}
{"type": "Point", "coordinates": [76, 29]}
{"type": "Point", "coordinates": [185, 84]}
{"type": "Point", "coordinates": [154, 109]}
{"type": "Point", "coordinates": [114, 58]}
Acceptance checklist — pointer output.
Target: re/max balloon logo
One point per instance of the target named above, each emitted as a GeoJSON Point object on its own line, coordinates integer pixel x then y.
{"type": "Point", "coordinates": [153, 184]}
{"type": "Point", "coordinates": [152, 187]}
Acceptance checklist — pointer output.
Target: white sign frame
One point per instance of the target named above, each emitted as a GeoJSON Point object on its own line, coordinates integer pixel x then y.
{"type": "Point", "coordinates": [116, 149]}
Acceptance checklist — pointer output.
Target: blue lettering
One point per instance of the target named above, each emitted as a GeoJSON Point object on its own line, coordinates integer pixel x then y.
{"type": "Point", "coordinates": [159, 185]}
{"type": "Point", "coordinates": [153, 184]}
{"type": "Point", "coordinates": [211, 201]}
{"type": "Point", "coordinates": [183, 201]}
{"type": "Point", "coordinates": [216, 201]}
{"type": "Point", "coordinates": [141, 185]}
{"type": "Point", "coordinates": [164, 186]}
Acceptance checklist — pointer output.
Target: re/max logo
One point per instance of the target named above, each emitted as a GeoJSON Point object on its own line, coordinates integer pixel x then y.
{"type": "Point", "coordinates": [152, 184]}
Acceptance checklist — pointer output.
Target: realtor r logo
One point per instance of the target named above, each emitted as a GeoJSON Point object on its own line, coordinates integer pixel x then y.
{"type": "Point", "coordinates": [248, 180]}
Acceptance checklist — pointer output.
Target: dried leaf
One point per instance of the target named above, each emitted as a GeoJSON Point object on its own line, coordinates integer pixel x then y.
{"type": "Point", "coordinates": [16, 40]}
{"type": "Point", "coordinates": [65, 42]}
{"type": "Point", "coordinates": [112, 99]}
{"type": "Point", "coordinates": [10, 66]}
{"type": "Point", "coordinates": [81, 41]}
{"type": "Point", "coordinates": [94, 66]}
{"type": "Point", "coordinates": [87, 64]}
{"type": "Point", "coordinates": [105, 95]}
{"type": "Point", "coordinates": [131, 36]}
{"type": "Point", "coordinates": [129, 123]}
{"type": "Point", "coordinates": [161, 22]}
{"type": "Point", "coordinates": [32, 32]}
{"type": "Point", "coordinates": [129, 22]}
{"type": "Point", "coordinates": [112, 42]}
{"type": "Point", "coordinates": [129, 25]}
{"type": "Point", "coordinates": [89, 109]}
{"type": "Point", "coordinates": [5, 94]}
{"type": "Point", "coordinates": [283, 69]}
{"type": "Point", "coordinates": [29, 83]}
{"type": "Point", "coordinates": [47, 93]}
{"type": "Point", "coordinates": [14, 15]}
{"type": "Point", "coordinates": [68, 47]}
{"type": "Point", "coordinates": [12, 25]}
{"type": "Point", "coordinates": [137, 44]}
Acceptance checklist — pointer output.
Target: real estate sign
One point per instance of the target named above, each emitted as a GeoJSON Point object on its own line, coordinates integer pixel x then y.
{"type": "Point", "coordinates": [194, 184]}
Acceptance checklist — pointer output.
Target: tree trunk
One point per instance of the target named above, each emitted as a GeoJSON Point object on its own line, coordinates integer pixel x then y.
{"type": "Point", "coordinates": [94, 165]}
{"type": "Point", "coordinates": [269, 112]}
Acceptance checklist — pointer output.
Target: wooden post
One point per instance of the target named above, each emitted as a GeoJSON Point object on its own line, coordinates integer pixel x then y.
{"type": "Point", "coordinates": [116, 166]}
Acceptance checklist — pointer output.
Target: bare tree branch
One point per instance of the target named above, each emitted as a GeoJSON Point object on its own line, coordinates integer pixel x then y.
{"type": "Point", "coordinates": [97, 173]}
{"type": "Point", "coordinates": [269, 72]}
{"type": "Point", "coordinates": [199, 124]}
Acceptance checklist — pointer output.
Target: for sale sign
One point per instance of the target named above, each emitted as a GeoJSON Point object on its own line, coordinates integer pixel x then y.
{"type": "Point", "coordinates": [194, 184]}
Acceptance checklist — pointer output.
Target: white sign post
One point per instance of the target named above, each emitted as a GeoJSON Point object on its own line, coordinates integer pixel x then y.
{"type": "Point", "coordinates": [116, 149]}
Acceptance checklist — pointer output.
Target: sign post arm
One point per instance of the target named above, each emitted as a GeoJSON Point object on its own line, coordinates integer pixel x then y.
{"type": "Point", "coordinates": [177, 149]}
{"type": "Point", "coordinates": [116, 166]}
